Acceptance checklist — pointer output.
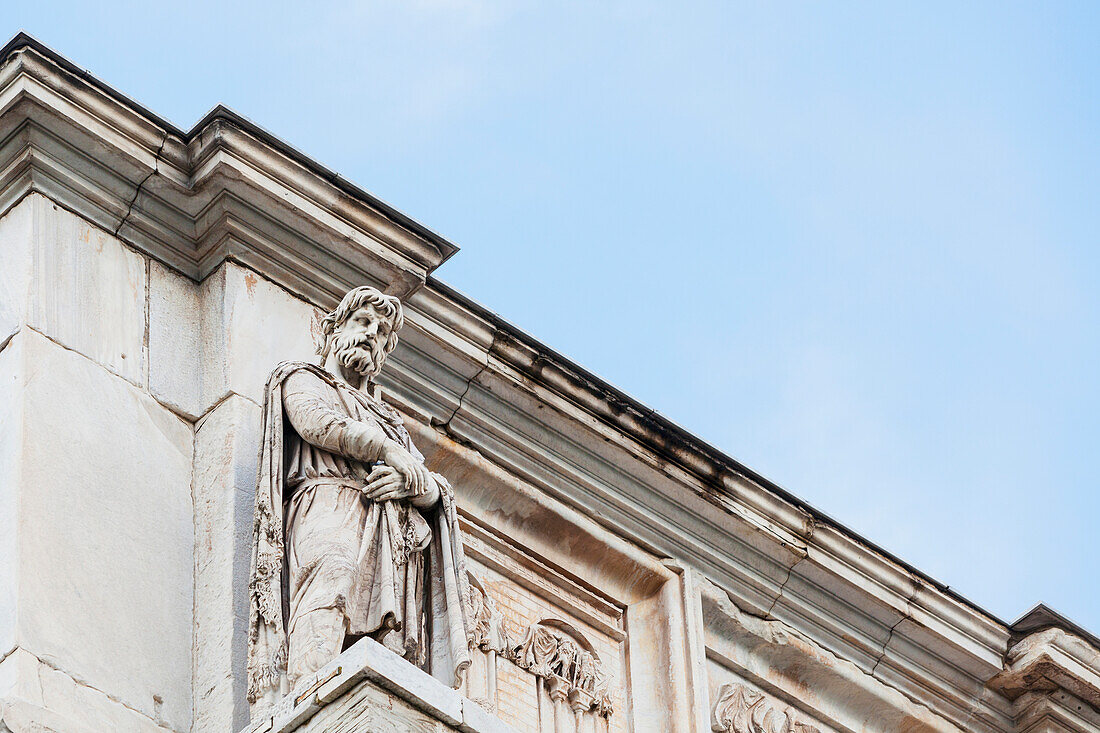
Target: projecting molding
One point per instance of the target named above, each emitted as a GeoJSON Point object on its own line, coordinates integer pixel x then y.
{"type": "Point", "coordinates": [228, 190]}
{"type": "Point", "coordinates": [1051, 653]}
{"type": "Point", "coordinates": [224, 189]}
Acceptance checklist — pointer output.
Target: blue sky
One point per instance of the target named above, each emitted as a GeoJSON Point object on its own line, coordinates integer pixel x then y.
{"type": "Point", "coordinates": [854, 245]}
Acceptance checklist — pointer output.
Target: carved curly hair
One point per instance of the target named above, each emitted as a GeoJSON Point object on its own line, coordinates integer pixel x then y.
{"type": "Point", "coordinates": [387, 305]}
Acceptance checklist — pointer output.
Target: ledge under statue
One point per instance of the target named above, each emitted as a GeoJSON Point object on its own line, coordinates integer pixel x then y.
{"type": "Point", "coordinates": [354, 537]}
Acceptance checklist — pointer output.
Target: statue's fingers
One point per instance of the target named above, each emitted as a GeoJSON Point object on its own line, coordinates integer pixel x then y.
{"type": "Point", "coordinates": [388, 495]}
{"type": "Point", "coordinates": [421, 479]}
{"type": "Point", "coordinates": [378, 472]}
{"type": "Point", "coordinates": [377, 491]}
{"type": "Point", "coordinates": [380, 485]}
{"type": "Point", "coordinates": [382, 472]}
{"type": "Point", "coordinates": [413, 479]}
{"type": "Point", "coordinates": [429, 480]}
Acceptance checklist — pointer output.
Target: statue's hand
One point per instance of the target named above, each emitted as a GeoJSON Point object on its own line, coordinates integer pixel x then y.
{"type": "Point", "coordinates": [416, 476]}
{"type": "Point", "coordinates": [386, 484]}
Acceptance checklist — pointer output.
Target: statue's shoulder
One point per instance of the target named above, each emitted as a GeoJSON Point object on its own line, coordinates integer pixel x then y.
{"type": "Point", "coordinates": [287, 368]}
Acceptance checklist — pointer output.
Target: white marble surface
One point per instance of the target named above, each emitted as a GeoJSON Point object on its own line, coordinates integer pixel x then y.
{"type": "Point", "coordinates": [176, 346]}
{"type": "Point", "coordinates": [226, 447]}
{"type": "Point", "coordinates": [87, 290]}
{"type": "Point", "coordinates": [223, 336]}
{"type": "Point", "coordinates": [251, 326]}
{"type": "Point", "coordinates": [11, 451]}
{"type": "Point", "coordinates": [38, 698]}
{"type": "Point", "coordinates": [105, 532]}
{"type": "Point", "coordinates": [16, 236]}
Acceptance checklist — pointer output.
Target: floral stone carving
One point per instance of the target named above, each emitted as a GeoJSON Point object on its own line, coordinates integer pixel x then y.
{"type": "Point", "coordinates": [571, 672]}
{"type": "Point", "coordinates": [741, 710]}
{"type": "Point", "coordinates": [488, 631]}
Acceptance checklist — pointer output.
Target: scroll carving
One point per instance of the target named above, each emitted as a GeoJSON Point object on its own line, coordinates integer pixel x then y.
{"type": "Point", "coordinates": [741, 710]}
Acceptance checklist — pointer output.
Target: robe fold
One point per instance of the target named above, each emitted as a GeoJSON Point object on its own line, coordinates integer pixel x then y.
{"type": "Point", "coordinates": [392, 565]}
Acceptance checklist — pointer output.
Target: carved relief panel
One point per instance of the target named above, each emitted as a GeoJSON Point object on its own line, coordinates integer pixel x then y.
{"type": "Point", "coordinates": [740, 709]}
{"type": "Point", "coordinates": [548, 655]}
{"type": "Point", "coordinates": [571, 686]}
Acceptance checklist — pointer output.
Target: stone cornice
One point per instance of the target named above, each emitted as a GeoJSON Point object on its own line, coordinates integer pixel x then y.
{"type": "Point", "coordinates": [1052, 659]}
{"type": "Point", "coordinates": [1043, 617]}
{"type": "Point", "coordinates": [542, 419]}
{"type": "Point", "coordinates": [226, 189]}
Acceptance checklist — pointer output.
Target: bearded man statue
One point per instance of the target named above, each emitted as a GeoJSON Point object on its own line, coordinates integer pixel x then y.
{"type": "Point", "coordinates": [354, 537]}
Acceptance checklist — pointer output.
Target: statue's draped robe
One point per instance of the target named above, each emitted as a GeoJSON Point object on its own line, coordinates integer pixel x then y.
{"type": "Point", "coordinates": [320, 544]}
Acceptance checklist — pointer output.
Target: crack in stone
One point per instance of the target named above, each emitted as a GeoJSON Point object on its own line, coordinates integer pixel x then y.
{"type": "Point", "coordinates": [775, 601]}
{"type": "Point", "coordinates": [180, 416]}
{"type": "Point", "coordinates": [908, 614]}
{"type": "Point", "coordinates": [82, 683]}
{"type": "Point", "coordinates": [445, 426]}
{"type": "Point", "coordinates": [7, 340]}
{"type": "Point", "coordinates": [137, 191]}
{"type": "Point", "coordinates": [220, 401]}
{"type": "Point", "coordinates": [790, 572]}
{"type": "Point", "coordinates": [784, 629]}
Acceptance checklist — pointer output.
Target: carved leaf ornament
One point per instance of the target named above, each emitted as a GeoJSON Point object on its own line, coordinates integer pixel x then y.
{"type": "Point", "coordinates": [488, 631]}
{"type": "Point", "coordinates": [741, 710]}
{"type": "Point", "coordinates": [555, 657]}
{"type": "Point", "coordinates": [572, 670]}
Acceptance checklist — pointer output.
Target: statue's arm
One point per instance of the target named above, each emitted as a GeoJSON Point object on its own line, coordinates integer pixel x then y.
{"type": "Point", "coordinates": [308, 403]}
{"type": "Point", "coordinates": [430, 497]}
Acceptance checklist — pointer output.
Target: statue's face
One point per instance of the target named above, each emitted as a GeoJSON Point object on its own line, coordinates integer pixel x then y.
{"type": "Point", "coordinates": [359, 343]}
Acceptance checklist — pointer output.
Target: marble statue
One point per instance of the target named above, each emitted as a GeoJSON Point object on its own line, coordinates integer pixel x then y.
{"type": "Point", "coordinates": [353, 535]}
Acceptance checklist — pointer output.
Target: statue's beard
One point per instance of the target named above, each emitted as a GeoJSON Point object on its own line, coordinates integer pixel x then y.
{"type": "Point", "coordinates": [362, 355]}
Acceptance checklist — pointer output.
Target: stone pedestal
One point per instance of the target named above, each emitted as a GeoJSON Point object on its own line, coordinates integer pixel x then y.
{"type": "Point", "coordinates": [370, 689]}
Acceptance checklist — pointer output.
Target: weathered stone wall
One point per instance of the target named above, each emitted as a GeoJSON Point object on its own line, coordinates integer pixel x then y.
{"type": "Point", "coordinates": [95, 485]}
{"type": "Point", "coordinates": [127, 472]}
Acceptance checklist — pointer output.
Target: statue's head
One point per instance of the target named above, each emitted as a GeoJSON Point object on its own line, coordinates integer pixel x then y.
{"type": "Point", "coordinates": [362, 331]}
